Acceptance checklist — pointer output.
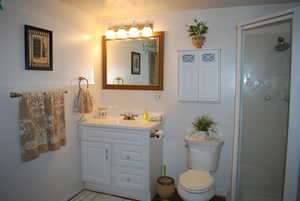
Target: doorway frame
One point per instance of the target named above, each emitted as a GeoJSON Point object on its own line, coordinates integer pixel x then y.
{"type": "Point", "coordinates": [293, 142]}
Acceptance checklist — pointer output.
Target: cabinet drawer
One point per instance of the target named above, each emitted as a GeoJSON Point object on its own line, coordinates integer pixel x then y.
{"type": "Point", "coordinates": [128, 155]}
{"type": "Point", "coordinates": [112, 135]}
{"type": "Point", "coordinates": [128, 177]}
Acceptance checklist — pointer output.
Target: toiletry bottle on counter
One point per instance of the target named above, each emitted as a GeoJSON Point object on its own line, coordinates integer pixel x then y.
{"type": "Point", "coordinates": [146, 114]}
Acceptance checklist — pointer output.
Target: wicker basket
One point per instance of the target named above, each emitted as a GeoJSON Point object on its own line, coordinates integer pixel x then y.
{"type": "Point", "coordinates": [165, 187]}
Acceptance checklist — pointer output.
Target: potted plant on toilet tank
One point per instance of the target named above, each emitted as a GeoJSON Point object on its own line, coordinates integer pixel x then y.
{"type": "Point", "coordinates": [197, 32]}
{"type": "Point", "coordinates": [203, 124]}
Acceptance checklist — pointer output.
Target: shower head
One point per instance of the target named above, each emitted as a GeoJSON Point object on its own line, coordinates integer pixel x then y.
{"type": "Point", "coordinates": [282, 45]}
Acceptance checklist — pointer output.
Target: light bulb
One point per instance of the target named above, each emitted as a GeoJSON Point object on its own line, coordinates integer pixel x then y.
{"type": "Point", "coordinates": [122, 33]}
{"type": "Point", "coordinates": [147, 31]}
{"type": "Point", "coordinates": [134, 32]}
{"type": "Point", "coordinates": [111, 34]}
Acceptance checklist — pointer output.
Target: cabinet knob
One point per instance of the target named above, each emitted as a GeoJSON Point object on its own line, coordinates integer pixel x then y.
{"type": "Point", "coordinates": [127, 157]}
{"type": "Point", "coordinates": [106, 157]}
{"type": "Point", "coordinates": [128, 179]}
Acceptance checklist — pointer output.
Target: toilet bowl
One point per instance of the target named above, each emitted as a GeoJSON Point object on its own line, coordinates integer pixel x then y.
{"type": "Point", "coordinates": [196, 185]}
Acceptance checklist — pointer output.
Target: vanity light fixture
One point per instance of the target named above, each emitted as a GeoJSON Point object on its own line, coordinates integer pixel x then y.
{"type": "Point", "coordinates": [122, 33]}
{"type": "Point", "coordinates": [130, 31]}
{"type": "Point", "coordinates": [147, 31]}
{"type": "Point", "coordinates": [110, 34]}
{"type": "Point", "coordinates": [134, 32]}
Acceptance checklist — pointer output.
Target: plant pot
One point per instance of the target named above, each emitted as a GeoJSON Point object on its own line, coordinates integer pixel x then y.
{"type": "Point", "coordinates": [198, 41]}
{"type": "Point", "coordinates": [165, 187]}
{"type": "Point", "coordinates": [201, 133]}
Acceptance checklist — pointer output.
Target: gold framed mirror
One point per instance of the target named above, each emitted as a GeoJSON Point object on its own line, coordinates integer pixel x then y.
{"type": "Point", "coordinates": [133, 63]}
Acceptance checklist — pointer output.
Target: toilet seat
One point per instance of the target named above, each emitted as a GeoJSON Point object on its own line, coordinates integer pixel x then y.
{"type": "Point", "coordinates": [196, 181]}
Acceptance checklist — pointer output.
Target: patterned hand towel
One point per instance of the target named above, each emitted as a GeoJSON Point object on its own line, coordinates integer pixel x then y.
{"type": "Point", "coordinates": [83, 101]}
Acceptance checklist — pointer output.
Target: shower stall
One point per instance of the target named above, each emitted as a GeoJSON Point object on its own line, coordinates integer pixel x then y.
{"type": "Point", "coordinates": [265, 130]}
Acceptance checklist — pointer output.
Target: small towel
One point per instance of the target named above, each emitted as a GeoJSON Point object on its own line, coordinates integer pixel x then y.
{"type": "Point", "coordinates": [83, 101]}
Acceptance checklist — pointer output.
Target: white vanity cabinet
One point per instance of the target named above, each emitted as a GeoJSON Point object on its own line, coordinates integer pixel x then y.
{"type": "Point", "coordinates": [199, 75]}
{"type": "Point", "coordinates": [121, 160]}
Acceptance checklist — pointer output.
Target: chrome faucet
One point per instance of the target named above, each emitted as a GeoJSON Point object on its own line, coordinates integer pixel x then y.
{"type": "Point", "coordinates": [128, 116]}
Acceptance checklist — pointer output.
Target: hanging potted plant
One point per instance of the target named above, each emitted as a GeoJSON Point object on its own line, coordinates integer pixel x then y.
{"type": "Point", "coordinates": [203, 124]}
{"type": "Point", "coordinates": [197, 31]}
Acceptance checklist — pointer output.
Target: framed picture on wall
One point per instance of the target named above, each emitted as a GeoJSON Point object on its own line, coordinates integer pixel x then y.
{"type": "Point", "coordinates": [135, 63]}
{"type": "Point", "coordinates": [38, 49]}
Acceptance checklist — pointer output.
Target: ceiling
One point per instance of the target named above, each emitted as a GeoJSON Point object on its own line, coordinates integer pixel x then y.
{"type": "Point", "coordinates": [117, 8]}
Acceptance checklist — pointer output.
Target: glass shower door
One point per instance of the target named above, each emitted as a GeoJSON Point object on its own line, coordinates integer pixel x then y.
{"type": "Point", "coordinates": [265, 96]}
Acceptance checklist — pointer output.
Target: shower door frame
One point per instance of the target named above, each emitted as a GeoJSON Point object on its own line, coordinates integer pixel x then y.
{"type": "Point", "coordinates": [293, 142]}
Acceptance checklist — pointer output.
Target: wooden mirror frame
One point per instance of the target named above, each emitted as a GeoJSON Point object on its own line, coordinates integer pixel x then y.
{"type": "Point", "coordinates": [160, 36]}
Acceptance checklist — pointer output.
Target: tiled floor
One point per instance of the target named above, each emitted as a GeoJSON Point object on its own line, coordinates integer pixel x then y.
{"type": "Point", "coordinates": [86, 195]}
{"type": "Point", "coordinates": [93, 196]}
{"type": "Point", "coordinates": [177, 198]}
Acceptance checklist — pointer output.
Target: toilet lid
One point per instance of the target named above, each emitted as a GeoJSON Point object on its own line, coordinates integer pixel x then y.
{"type": "Point", "coordinates": [196, 181]}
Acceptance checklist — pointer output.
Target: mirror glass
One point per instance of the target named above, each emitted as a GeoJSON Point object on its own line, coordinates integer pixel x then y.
{"type": "Point", "coordinates": [132, 62]}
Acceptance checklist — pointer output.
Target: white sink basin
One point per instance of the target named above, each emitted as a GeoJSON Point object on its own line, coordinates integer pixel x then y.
{"type": "Point", "coordinates": [114, 122]}
{"type": "Point", "coordinates": [120, 121]}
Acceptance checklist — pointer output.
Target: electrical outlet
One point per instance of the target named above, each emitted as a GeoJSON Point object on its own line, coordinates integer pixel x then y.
{"type": "Point", "coordinates": [158, 97]}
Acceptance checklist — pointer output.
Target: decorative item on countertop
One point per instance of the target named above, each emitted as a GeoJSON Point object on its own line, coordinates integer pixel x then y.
{"type": "Point", "coordinates": [203, 125]}
{"type": "Point", "coordinates": [102, 112]}
{"type": "Point", "coordinates": [83, 101]}
{"type": "Point", "coordinates": [197, 31]}
{"type": "Point", "coordinates": [146, 114]}
{"type": "Point", "coordinates": [165, 185]}
{"type": "Point", "coordinates": [155, 116]}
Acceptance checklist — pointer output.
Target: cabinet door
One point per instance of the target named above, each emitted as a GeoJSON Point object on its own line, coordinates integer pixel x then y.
{"type": "Point", "coordinates": [96, 162]}
{"type": "Point", "coordinates": [199, 75]}
{"type": "Point", "coordinates": [209, 75]}
{"type": "Point", "coordinates": [188, 76]}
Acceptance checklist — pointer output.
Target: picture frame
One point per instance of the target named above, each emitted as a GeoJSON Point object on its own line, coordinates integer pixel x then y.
{"type": "Point", "coordinates": [135, 63]}
{"type": "Point", "coordinates": [38, 48]}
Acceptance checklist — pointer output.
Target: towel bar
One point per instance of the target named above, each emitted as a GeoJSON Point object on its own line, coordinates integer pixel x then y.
{"type": "Point", "coordinates": [16, 95]}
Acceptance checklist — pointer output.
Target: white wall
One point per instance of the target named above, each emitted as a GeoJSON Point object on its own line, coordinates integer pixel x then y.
{"type": "Point", "coordinates": [222, 25]}
{"type": "Point", "coordinates": [54, 176]}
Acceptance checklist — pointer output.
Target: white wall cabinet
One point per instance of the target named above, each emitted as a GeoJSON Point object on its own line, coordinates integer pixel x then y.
{"type": "Point", "coordinates": [199, 75]}
{"type": "Point", "coordinates": [117, 160]}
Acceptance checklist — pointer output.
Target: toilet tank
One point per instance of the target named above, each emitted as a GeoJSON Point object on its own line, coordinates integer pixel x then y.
{"type": "Point", "coordinates": [203, 153]}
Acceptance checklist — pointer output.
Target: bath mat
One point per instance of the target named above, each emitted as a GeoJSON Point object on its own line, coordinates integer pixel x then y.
{"type": "Point", "coordinates": [86, 195]}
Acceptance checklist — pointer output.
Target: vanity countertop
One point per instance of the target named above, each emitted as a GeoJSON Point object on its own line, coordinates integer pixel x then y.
{"type": "Point", "coordinates": [119, 123]}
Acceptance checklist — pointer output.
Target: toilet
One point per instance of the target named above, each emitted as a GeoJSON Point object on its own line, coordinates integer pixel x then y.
{"type": "Point", "coordinates": [198, 183]}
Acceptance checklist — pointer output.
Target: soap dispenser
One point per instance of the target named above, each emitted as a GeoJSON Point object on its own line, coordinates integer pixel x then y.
{"type": "Point", "coordinates": [146, 114]}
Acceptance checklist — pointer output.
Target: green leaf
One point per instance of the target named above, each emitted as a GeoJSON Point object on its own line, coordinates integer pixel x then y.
{"type": "Point", "coordinates": [203, 123]}
{"type": "Point", "coordinates": [198, 28]}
